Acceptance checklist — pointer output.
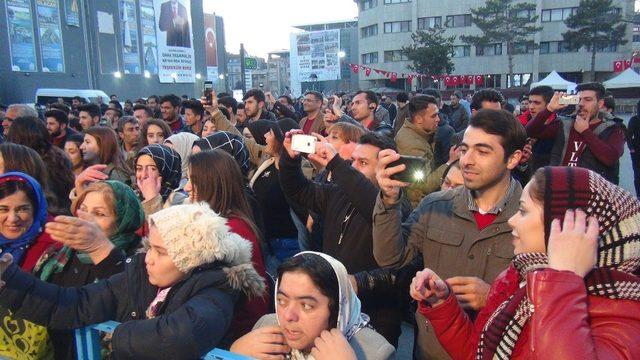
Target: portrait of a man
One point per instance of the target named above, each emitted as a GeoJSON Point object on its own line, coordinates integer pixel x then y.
{"type": "Point", "coordinates": [174, 20]}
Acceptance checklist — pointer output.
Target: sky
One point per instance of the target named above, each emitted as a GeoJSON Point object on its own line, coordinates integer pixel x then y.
{"type": "Point", "coordinates": [264, 25]}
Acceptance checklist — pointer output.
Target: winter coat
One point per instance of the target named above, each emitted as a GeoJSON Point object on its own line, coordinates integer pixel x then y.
{"type": "Point", "coordinates": [194, 318]}
{"type": "Point", "coordinates": [566, 323]}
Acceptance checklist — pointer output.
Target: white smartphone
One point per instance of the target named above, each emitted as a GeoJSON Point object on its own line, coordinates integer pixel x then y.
{"type": "Point", "coordinates": [304, 143]}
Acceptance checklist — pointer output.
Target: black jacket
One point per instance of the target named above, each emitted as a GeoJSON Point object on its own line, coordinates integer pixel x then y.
{"type": "Point", "coordinates": [193, 320]}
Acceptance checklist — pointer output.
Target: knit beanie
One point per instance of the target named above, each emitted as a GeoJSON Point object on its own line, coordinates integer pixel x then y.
{"type": "Point", "coordinates": [195, 235]}
{"type": "Point", "coordinates": [617, 212]}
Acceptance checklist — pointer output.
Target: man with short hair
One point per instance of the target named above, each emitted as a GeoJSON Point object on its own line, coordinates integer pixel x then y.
{"type": "Point", "coordinates": [241, 118]}
{"type": "Point", "coordinates": [128, 130]}
{"type": "Point", "coordinates": [610, 108]}
{"type": "Point", "coordinates": [57, 123]}
{"type": "Point", "coordinates": [458, 118]}
{"type": "Point", "coordinates": [142, 113]}
{"type": "Point", "coordinates": [461, 234]}
{"type": "Point", "coordinates": [589, 141]}
{"type": "Point", "coordinates": [417, 138]}
{"type": "Point", "coordinates": [363, 107]}
{"type": "Point", "coordinates": [154, 105]}
{"type": "Point", "coordinates": [538, 99]}
{"type": "Point", "coordinates": [388, 104]}
{"type": "Point", "coordinates": [486, 99]}
{"type": "Point", "coordinates": [101, 105]}
{"type": "Point", "coordinates": [231, 105]}
{"type": "Point", "coordinates": [13, 112]}
{"type": "Point", "coordinates": [113, 97]}
{"type": "Point", "coordinates": [193, 116]}
{"type": "Point", "coordinates": [254, 106]}
{"type": "Point", "coordinates": [128, 108]}
{"type": "Point", "coordinates": [170, 112]}
{"type": "Point", "coordinates": [402, 99]}
{"type": "Point", "coordinates": [345, 205]}
{"type": "Point", "coordinates": [75, 102]}
{"type": "Point", "coordinates": [113, 115]}
{"type": "Point", "coordinates": [88, 115]}
{"type": "Point", "coordinates": [313, 121]}
{"type": "Point", "coordinates": [444, 133]}
{"type": "Point", "coordinates": [381, 114]}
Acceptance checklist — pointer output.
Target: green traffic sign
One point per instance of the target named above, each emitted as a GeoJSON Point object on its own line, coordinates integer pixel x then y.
{"type": "Point", "coordinates": [251, 63]}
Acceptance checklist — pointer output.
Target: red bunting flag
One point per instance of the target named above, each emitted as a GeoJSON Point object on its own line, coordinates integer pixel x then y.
{"type": "Point", "coordinates": [410, 79]}
{"type": "Point", "coordinates": [394, 77]}
{"type": "Point", "coordinates": [367, 71]}
{"type": "Point", "coordinates": [355, 68]}
{"type": "Point", "coordinates": [479, 80]}
{"type": "Point", "coordinates": [627, 64]}
{"type": "Point", "coordinates": [455, 81]}
{"type": "Point", "coordinates": [447, 81]}
{"type": "Point", "coordinates": [617, 65]}
{"type": "Point", "coordinates": [636, 60]}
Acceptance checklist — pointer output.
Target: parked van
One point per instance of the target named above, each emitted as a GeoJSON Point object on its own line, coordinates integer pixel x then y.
{"type": "Point", "coordinates": [47, 96]}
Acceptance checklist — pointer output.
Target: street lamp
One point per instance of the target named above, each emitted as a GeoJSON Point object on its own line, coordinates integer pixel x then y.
{"type": "Point", "coordinates": [342, 54]}
{"type": "Point", "coordinates": [221, 76]}
{"type": "Point", "coordinates": [147, 74]}
{"type": "Point", "coordinates": [198, 76]}
{"type": "Point", "coordinates": [117, 74]}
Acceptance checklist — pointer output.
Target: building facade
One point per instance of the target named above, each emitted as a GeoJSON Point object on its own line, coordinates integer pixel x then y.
{"type": "Point", "coordinates": [93, 49]}
{"type": "Point", "coordinates": [279, 72]}
{"type": "Point", "coordinates": [385, 26]}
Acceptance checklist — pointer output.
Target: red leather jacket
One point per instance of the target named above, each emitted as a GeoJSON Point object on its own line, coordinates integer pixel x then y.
{"type": "Point", "coordinates": [566, 322]}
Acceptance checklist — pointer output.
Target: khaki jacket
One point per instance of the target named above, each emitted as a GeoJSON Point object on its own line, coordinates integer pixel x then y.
{"type": "Point", "coordinates": [413, 141]}
{"type": "Point", "coordinates": [318, 124]}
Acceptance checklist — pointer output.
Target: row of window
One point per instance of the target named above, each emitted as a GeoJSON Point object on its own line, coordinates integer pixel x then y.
{"type": "Point", "coordinates": [459, 51]}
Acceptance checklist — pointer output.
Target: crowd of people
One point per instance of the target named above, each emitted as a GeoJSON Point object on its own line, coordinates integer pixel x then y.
{"type": "Point", "coordinates": [197, 224]}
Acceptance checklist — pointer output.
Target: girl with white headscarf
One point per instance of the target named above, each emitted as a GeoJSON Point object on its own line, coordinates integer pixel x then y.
{"type": "Point", "coordinates": [317, 316]}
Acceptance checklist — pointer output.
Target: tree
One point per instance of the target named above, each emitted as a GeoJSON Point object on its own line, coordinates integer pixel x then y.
{"type": "Point", "coordinates": [503, 21]}
{"type": "Point", "coordinates": [431, 52]}
{"type": "Point", "coordinates": [595, 23]}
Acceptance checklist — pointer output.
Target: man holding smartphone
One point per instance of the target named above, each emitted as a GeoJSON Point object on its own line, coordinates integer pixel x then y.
{"type": "Point", "coordinates": [588, 141]}
{"type": "Point", "coordinates": [462, 233]}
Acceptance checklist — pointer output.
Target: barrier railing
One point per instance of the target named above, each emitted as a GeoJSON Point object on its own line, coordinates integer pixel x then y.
{"type": "Point", "coordinates": [88, 343]}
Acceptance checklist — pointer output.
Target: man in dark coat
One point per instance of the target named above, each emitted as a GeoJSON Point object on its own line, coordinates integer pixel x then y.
{"type": "Point", "coordinates": [175, 21]}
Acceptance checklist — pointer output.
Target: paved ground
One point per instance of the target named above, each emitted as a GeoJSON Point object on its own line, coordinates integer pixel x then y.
{"type": "Point", "coordinates": [626, 181]}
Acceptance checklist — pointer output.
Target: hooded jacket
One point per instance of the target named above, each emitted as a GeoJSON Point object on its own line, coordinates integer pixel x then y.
{"type": "Point", "coordinates": [194, 318]}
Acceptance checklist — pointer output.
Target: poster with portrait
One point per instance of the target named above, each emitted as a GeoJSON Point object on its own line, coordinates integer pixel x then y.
{"type": "Point", "coordinates": [50, 35]}
{"type": "Point", "coordinates": [129, 30]}
{"type": "Point", "coordinates": [20, 31]}
{"type": "Point", "coordinates": [211, 47]}
{"type": "Point", "coordinates": [72, 12]}
{"type": "Point", "coordinates": [149, 42]}
{"type": "Point", "coordinates": [176, 60]}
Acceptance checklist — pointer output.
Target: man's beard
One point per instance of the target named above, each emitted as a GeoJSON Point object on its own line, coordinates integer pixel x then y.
{"type": "Point", "coordinates": [56, 133]}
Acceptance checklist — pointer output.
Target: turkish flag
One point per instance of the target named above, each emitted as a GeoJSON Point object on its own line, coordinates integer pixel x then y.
{"type": "Point", "coordinates": [479, 80]}
{"type": "Point", "coordinates": [447, 80]}
{"type": "Point", "coordinates": [409, 79]}
{"type": "Point", "coordinates": [617, 65]}
{"type": "Point", "coordinates": [627, 64]}
{"type": "Point", "coordinates": [636, 60]}
{"type": "Point", "coordinates": [394, 77]}
{"type": "Point", "coordinates": [367, 71]}
{"type": "Point", "coordinates": [455, 81]}
{"type": "Point", "coordinates": [355, 68]}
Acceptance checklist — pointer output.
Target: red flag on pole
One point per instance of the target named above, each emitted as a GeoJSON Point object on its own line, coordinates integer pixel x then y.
{"type": "Point", "coordinates": [469, 80]}
{"type": "Point", "coordinates": [617, 65]}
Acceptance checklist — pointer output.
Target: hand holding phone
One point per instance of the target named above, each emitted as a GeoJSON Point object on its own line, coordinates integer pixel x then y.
{"type": "Point", "coordinates": [303, 143]}
{"type": "Point", "coordinates": [414, 169]}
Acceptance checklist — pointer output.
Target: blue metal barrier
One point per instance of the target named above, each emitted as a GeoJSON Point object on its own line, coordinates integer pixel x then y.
{"type": "Point", "coordinates": [88, 344]}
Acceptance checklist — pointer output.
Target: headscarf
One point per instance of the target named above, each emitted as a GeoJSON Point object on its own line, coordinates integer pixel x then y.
{"type": "Point", "coordinates": [168, 162]}
{"type": "Point", "coordinates": [182, 143]}
{"type": "Point", "coordinates": [350, 317]}
{"type": "Point", "coordinates": [259, 128]}
{"type": "Point", "coordinates": [18, 247]}
{"type": "Point", "coordinates": [618, 257]}
{"type": "Point", "coordinates": [129, 218]}
{"type": "Point", "coordinates": [230, 143]}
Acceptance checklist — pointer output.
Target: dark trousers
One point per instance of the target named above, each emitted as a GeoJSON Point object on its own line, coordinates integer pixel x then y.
{"type": "Point", "coordinates": [635, 162]}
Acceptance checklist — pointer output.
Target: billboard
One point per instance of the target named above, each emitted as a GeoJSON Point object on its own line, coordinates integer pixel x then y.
{"type": "Point", "coordinates": [21, 41]}
{"type": "Point", "coordinates": [211, 47]}
{"type": "Point", "coordinates": [314, 56]}
{"type": "Point", "coordinates": [129, 32]}
{"type": "Point", "coordinates": [149, 42]}
{"type": "Point", "coordinates": [176, 61]}
{"type": "Point", "coordinates": [50, 35]}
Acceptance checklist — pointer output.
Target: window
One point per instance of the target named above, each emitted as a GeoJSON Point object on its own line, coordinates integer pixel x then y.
{"type": "Point", "coordinates": [461, 51]}
{"type": "Point", "coordinates": [370, 58]}
{"type": "Point", "coordinates": [636, 38]}
{"type": "Point", "coordinates": [368, 4]}
{"type": "Point", "coordinates": [520, 80]}
{"type": "Point", "coordinates": [394, 55]}
{"type": "Point", "coordinates": [397, 26]}
{"type": "Point", "coordinates": [371, 30]}
{"type": "Point", "coordinates": [606, 47]}
{"type": "Point", "coordinates": [458, 20]}
{"type": "Point", "coordinates": [429, 22]}
{"type": "Point", "coordinates": [491, 81]}
{"type": "Point", "coordinates": [558, 14]}
{"type": "Point", "coordinates": [553, 47]}
{"type": "Point", "coordinates": [523, 14]}
{"type": "Point", "coordinates": [522, 48]}
{"type": "Point", "coordinates": [489, 50]}
{"type": "Point", "coordinates": [396, 1]}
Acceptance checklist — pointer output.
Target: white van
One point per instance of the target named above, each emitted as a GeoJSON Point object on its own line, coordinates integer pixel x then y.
{"type": "Point", "coordinates": [46, 96]}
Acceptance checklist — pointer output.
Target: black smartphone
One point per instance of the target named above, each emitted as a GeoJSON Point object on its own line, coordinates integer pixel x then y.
{"type": "Point", "coordinates": [414, 171]}
{"type": "Point", "coordinates": [207, 91]}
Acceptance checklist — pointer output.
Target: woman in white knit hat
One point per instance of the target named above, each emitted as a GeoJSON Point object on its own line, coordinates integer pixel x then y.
{"type": "Point", "coordinates": [174, 302]}
{"type": "Point", "coordinates": [317, 317]}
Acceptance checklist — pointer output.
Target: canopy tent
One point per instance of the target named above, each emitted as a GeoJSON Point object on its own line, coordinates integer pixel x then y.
{"type": "Point", "coordinates": [555, 81]}
{"type": "Point", "coordinates": [627, 79]}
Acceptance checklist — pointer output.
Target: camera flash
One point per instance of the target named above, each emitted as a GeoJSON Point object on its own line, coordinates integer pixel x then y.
{"type": "Point", "coordinates": [418, 175]}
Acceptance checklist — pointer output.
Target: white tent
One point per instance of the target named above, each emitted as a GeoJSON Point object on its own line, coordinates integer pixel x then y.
{"type": "Point", "coordinates": [555, 81]}
{"type": "Point", "coordinates": [627, 79]}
